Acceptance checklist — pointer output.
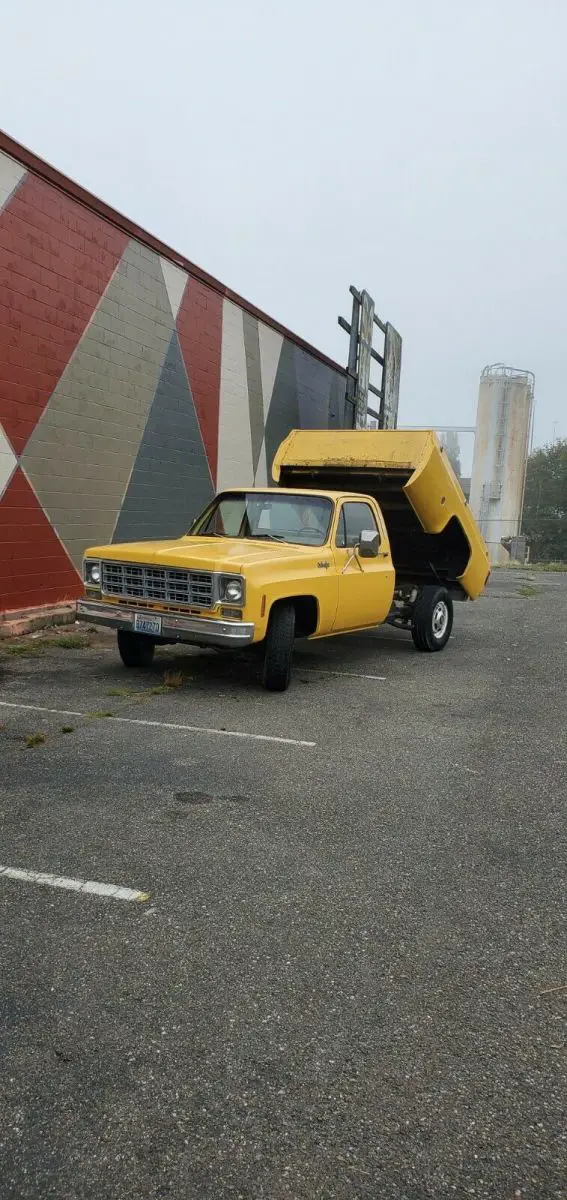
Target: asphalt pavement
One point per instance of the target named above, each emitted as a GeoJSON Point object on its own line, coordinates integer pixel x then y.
{"type": "Point", "coordinates": [346, 975]}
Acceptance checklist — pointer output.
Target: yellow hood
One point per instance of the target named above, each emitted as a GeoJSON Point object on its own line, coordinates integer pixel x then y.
{"type": "Point", "coordinates": [204, 553]}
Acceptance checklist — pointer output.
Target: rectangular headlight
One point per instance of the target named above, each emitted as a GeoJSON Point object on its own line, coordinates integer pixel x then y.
{"type": "Point", "coordinates": [92, 572]}
{"type": "Point", "coordinates": [231, 589]}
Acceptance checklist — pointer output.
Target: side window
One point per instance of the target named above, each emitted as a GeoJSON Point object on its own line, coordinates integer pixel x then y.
{"type": "Point", "coordinates": [354, 518]}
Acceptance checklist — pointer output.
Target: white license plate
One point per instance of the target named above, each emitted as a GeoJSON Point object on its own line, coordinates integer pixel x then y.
{"type": "Point", "coordinates": [143, 624]}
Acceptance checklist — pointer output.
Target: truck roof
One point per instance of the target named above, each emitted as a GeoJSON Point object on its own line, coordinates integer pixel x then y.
{"type": "Point", "coordinates": [329, 494]}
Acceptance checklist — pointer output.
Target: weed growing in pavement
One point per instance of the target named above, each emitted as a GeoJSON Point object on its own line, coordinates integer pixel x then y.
{"type": "Point", "coordinates": [100, 715]}
{"type": "Point", "coordinates": [173, 679]}
{"type": "Point", "coordinates": [527, 591]}
{"type": "Point", "coordinates": [67, 728]}
{"type": "Point", "coordinates": [35, 739]}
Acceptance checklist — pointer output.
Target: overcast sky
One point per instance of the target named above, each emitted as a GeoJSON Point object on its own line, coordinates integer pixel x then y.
{"type": "Point", "coordinates": [293, 147]}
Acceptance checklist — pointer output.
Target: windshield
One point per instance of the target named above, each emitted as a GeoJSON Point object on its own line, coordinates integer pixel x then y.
{"type": "Point", "coordinates": [303, 520]}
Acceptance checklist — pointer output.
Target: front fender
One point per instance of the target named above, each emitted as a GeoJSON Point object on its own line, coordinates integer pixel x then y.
{"type": "Point", "coordinates": [322, 587]}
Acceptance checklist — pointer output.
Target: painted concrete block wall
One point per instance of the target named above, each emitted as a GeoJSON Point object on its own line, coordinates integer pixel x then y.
{"type": "Point", "coordinates": [130, 388]}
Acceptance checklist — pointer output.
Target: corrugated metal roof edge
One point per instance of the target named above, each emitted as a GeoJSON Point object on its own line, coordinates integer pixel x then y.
{"type": "Point", "coordinates": [51, 175]}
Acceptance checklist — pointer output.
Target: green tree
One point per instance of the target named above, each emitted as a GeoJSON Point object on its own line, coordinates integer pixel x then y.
{"type": "Point", "coordinates": [545, 503]}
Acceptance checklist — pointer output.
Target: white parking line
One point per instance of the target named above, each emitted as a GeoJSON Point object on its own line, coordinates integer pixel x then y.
{"type": "Point", "coordinates": [349, 674]}
{"type": "Point", "coordinates": [62, 712]}
{"type": "Point", "coordinates": [73, 885]}
{"type": "Point", "coordinates": [233, 733]}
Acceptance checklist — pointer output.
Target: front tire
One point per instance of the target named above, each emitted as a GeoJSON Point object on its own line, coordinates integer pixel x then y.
{"type": "Point", "coordinates": [432, 619]}
{"type": "Point", "coordinates": [135, 649]}
{"type": "Point", "coordinates": [276, 674]}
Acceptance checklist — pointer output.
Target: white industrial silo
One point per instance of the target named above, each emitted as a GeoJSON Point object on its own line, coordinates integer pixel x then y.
{"type": "Point", "coordinates": [502, 443]}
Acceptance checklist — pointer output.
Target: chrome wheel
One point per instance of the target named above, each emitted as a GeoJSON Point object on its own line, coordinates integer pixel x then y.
{"type": "Point", "coordinates": [440, 620]}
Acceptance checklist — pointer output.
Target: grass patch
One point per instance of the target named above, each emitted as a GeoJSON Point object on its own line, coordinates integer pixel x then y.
{"type": "Point", "coordinates": [100, 715]}
{"type": "Point", "coordinates": [69, 642]}
{"type": "Point", "coordinates": [527, 590]}
{"type": "Point", "coordinates": [550, 566]}
{"type": "Point", "coordinates": [35, 739]}
{"type": "Point", "coordinates": [35, 647]}
{"type": "Point", "coordinates": [25, 649]}
{"type": "Point", "coordinates": [67, 728]}
{"type": "Point", "coordinates": [122, 692]}
{"type": "Point", "coordinates": [530, 566]}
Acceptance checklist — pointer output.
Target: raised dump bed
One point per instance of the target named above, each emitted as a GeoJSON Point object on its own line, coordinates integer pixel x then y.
{"type": "Point", "coordinates": [433, 534]}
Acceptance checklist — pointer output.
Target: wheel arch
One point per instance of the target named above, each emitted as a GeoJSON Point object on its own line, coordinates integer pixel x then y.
{"type": "Point", "coordinates": [306, 613]}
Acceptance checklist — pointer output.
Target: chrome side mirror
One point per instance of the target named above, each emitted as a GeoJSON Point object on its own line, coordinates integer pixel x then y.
{"type": "Point", "coordinates": [369, 543]}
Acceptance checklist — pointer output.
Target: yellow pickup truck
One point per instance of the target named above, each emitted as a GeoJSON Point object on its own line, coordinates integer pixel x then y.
{"type": "Point", "coordinates": [364, 527]}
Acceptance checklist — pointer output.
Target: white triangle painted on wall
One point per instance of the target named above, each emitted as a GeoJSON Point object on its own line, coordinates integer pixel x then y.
{"type": "Point", "coordinates": [11, 174]}
{"type": "Point", "coordinates": [175, 280]}
{"type": "Point", "coordinates": [8, 462]}
{"type": "Point", "coordinates": [270, 349]}
{"type": "Point", "coordinates": [235, 466]}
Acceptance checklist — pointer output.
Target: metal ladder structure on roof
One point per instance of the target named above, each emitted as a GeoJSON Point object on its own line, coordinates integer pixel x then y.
{"type": "Point", "coordinates": [362, 353]}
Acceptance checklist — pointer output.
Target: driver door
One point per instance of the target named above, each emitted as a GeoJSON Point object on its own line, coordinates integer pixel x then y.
{"type": "Point", "coordinates": [366, 585]}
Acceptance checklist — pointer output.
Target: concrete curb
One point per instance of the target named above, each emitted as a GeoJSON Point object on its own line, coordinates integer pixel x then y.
{"type": "Point", "coordinates": [14, 624]}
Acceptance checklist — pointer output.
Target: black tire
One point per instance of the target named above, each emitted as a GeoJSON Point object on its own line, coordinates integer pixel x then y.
{"type": "Point", "coordinates": [432, 619]}
{"type": "Point", "coordinates": [276, 674]}
{"type": "Point", "coordinates": [135, 649]}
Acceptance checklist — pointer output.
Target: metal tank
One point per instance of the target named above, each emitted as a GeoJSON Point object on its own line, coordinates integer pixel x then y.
{"type": "Point", "coordinates": [502, 444]}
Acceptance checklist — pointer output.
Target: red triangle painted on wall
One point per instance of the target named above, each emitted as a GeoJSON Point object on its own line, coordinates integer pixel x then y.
{"type": "Point", "coordinates": [34, 566]}
{"type": "Point", "coordinates": [199, 327]}
{"type": "Point", "coordinates": [56, 259]}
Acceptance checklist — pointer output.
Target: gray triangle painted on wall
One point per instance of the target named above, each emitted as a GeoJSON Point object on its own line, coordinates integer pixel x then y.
{"type": "Point", "coordinates": [80, 456]}
{"type": "Point", "coordinates": [171, 481]}
{"type": "Point", "coordinates": [283, 413]}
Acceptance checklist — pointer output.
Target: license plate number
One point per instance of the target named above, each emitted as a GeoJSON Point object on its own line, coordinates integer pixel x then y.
{"type": "Point", "coordinates": [143, 624]}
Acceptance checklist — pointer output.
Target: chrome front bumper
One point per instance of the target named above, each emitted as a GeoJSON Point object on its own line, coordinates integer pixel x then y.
{"type": "Point", "coordinates": [197, 631]}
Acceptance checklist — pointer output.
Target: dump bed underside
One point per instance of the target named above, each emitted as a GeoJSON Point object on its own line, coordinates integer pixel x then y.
{"type": "Point", "coordinates": [418, 557]}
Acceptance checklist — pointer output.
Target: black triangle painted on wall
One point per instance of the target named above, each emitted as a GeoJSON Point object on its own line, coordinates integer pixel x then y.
{"type": "Point", "coordinates": [171, 482]}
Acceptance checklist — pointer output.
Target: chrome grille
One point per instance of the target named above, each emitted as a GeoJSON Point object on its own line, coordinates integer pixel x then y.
{"type": "Point", "coordinates": [140, 582]}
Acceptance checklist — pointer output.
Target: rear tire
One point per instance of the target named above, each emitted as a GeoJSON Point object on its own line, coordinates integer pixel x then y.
{"type": "Point", "coordinates": [432, 619]}
{"type": "Point", "coordinates": [276, 674]}
{"type": "Point", "coordinates": [135, 649]}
